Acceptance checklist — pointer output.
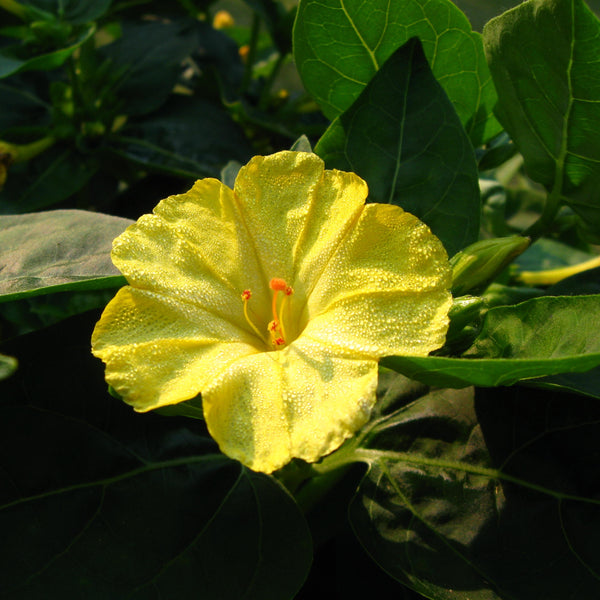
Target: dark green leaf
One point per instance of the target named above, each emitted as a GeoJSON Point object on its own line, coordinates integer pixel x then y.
{"type": "Point", "coordinates": [147, 62]}
{"type": "Point", "coordinates": [401, 130]}
{"type": "Point", "coordinates": [546, 254]}
{"type": "Point", "coordinates": [15, 58]}
{"type": "Point", "coordinates": [71, 11]}
{"type": "Point", "coordinates": [440, 371]}
{"type": "Point", "coordinates": [218, 58]}
{"type": "Point", "coordinates": [543, 57]}
{"type": "Point", "coordinates": [49, 306]}
{"type": "Point", "coordinates": [277, 20]}
{"type": "Point", "coordinates": [8, 365]}
{"type": "Point", "coordinates": [544, 328]}
{"type": "Point", "coordinates": [97, 501]}
{"type": "Point", "coordinates": [485, 498]}
{"type": "Point", "coordinates": [585, 283]}
{"type": "Point", "coordinates": [586, 384]}
{"type": "Point", "coordinates": [188, 137]}
{"type": "Point", "coordinates": [57, 251]}
{"type": "Point", "coordinates": [48, 179]}
{"type": "Point", "coordinates": [339, 47]}
{"type": "Point", "coordinates": [19, 106]}
{"type": "Point", "coordinates": [536, 338]}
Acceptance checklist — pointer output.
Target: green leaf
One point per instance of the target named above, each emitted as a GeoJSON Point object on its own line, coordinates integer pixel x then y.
{"type": "Point", "coordinates": [547, 253]}
{"type": "Point", "coordinates": [8, 365]}
{"type": "Point", "coordinates": [536, 338]}
{"type": "Point", "coordinates": [52, 177]}
{"type": "Point", "coordinates": [146, 62]}
{"type": "Point", "coordinates": [187, 137]}
{"type": "Point", "coordinates": [400, 130]}
{"type": "Point", "coordinates": [492, 497]}
{"type": "Point", "coordinates": [586, 384]}
{"type": "Point", "coordinates": [277, 21]}
{"type": "Point", "coordinates": [585, 283]}
{"type": "Point", "coordinates": [339, 45]}
{"type": "Point", "coordinates": [97, 501]}
{"type": "Point", "coordinates": [57, 251]}
{"type": "Point", "coordinates": [14, 59]}
{"type": "Point", "coordinates": [72, 11]}
{"type": "Point", "coordinates": [543, 57]}
{"type": "Point", "coordinates": [548, 328]}
{"type": "Point", "coordinates": [20, 106]}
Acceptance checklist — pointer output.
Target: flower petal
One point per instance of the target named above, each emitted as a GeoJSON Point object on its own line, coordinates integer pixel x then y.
{"type": "Point", "coordinates": [301, 402]}
{"type": "Point", "coordinates": [160, 351]}
{"type": "Point", "coordinates": [194, 248]}
{"type": "Point", "coordinates": [297, 213]}
{"type": "Point", "coordinates": [385, 291]}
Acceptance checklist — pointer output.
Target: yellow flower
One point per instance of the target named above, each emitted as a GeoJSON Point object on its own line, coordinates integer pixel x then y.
{"type": "Point", "coordinates": [275, 302]}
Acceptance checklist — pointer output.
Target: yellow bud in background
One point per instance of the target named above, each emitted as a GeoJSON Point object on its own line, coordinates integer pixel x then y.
{"type": "Point", "coordinates": [223, 20]}
{"type": "Point", "coordinates": [244, 52]}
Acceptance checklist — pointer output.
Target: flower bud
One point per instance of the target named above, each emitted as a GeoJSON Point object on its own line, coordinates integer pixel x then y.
{"type": "Point", "coordinates": [478, 264]}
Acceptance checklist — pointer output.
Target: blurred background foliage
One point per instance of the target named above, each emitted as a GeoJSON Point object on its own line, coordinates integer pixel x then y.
{"type": "Point", "coordinates": [110, 106]}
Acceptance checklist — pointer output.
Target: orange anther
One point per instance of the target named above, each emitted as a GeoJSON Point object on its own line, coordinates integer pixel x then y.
{"type": "Point", "coordinates": [279, 341]}
{"type": "Point", "coordinates": [278, 284]}
{"type": "Point", "coordinates": [289, 290]}
{"type": "Point", "coordinates": [246, 295]}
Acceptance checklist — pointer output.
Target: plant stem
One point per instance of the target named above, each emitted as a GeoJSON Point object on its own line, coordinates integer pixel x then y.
{"type": "Point", "coordinates": [24, 152]}
{"type": "Point", "coordinates": [542, 225]}
{"type": "Point", "coordinates": [251, 53]}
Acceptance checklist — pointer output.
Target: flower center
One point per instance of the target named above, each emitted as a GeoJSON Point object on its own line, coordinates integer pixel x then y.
{"type": "Point", "coordinates": [276, 327]}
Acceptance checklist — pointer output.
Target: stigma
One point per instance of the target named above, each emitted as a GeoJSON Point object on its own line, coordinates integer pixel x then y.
{"type": "Point", "coordinates": [275, 330]}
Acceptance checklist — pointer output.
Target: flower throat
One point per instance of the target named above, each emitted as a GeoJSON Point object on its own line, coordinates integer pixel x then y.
{"type": "Point", "coordinates": [276, 327]}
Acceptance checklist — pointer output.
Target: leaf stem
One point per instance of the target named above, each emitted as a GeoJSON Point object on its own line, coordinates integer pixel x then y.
{"type": "Point", "coordinates": [15, 8]}
{"type": "Point", "coordinates": [266, 91]}
{"type": "Point", "coordinates": [552, 276]}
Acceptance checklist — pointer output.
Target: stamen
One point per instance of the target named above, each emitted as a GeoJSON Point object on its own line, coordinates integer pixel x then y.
{"type": "Point", "coordinates": [282, 312]}
{"type": "Point", "coordinates": [275, 327]}
{"type": "Point", "coordinates": [246, 295]}
{"type": "Point", "coordinates": [279, 285]}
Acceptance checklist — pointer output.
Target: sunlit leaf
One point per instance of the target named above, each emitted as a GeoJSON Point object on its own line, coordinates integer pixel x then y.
{"type": "Point", "coordinates": [536, 338]}
{"type": "Point", "coordinates": [543, 58]}
{"type": "Point", "coordinates": [57, 251]}
{"type": "Point", "coordinates": [399, 131]}
{"type": "Point", "coordinates": [340, 45]}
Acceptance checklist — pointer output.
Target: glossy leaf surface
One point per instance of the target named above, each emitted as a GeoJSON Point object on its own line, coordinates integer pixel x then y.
{"type": "Point", "coordinates": [339, 46]}
{"type": "Point", "coordinates": [536, 338]}
{"type": "Point", "coordinates": [548, 96]}
{"type": "Point", "coordinates": [400, 130]}
{"type": "Point", "coordinates": [475, 497]}
{"type": "Point", "coordinates": [57, 251]}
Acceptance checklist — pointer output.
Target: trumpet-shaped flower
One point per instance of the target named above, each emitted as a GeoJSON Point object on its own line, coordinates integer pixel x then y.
{"type": "Point", "coordinates": [274, 301]}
